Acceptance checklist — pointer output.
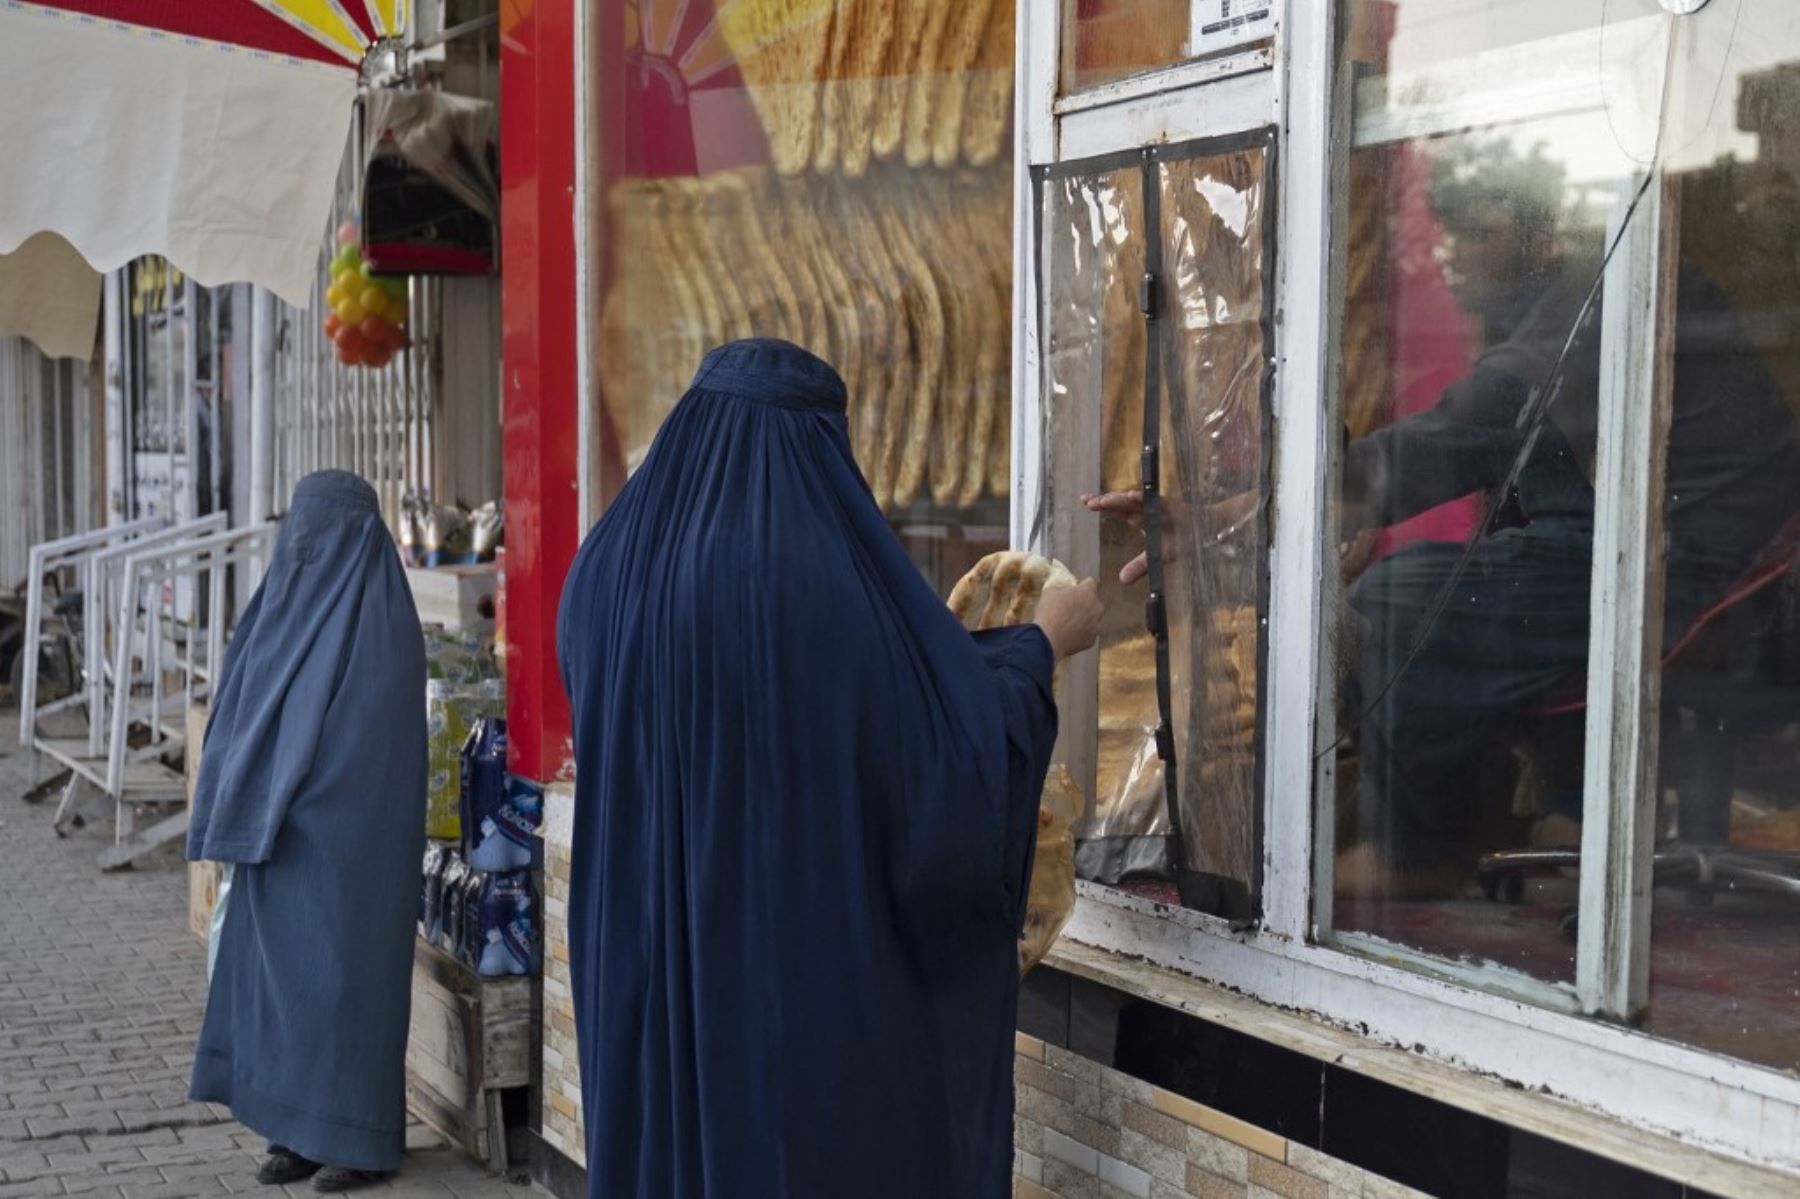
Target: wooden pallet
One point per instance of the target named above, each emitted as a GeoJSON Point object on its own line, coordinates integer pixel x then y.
{"type": "Point", "coordinates": [471, 1039]}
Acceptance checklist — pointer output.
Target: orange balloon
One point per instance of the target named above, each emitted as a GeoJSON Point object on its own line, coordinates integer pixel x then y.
{"type": "Point", "coordinates": [374, 330]}
{"type": "Point", "coordinates": [349, 339]}
{"type": "Point", "coordinates": [376, 356]}
{"type": "Point", "coordinates": [348, 357]}
{"type": "Point", "coordinates": [332, 325]}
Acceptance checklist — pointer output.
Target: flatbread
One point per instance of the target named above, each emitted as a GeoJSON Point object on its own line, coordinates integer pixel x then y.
{"type": "Point", "coordinates": [1003, 589]}
{"type": "Point", "coordinates": [988, 107]}
{"type": "Point", "coordinates": [902, 63]}
{"type": "Point", "coordinates": [1050, 899]}
{"type": "Point", "coordinates": [802, 220]}
{"type": "Point", "coordinates": [895, 370]}
{"type": "Point", "coordinates": [927, 83]}
{"type": "Point", "coordinates": [960, 286]}
{"type": "Point", "coordinates": [872, 42]}
{"type": "Point", "coordinates": [963, 44]}
{"type": "Point", "coordinates": [909, 428]}
{"type": "Point", "coordinates": [833, 93]}
{"type": "Point", "coordinates": [781, 47]}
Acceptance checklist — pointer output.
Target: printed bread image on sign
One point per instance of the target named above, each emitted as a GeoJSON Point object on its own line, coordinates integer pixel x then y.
{"type": "Point", "coordinates": [1003, 590]}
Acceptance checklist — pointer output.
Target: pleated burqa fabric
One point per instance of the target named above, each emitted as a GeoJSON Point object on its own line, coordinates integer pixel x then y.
{"type": "Point", "coordinates": [805, 806]}
{"type": "Point", "coordinates": [312, 784]}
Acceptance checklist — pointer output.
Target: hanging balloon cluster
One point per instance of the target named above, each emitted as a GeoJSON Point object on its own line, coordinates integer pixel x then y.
{"type": "Point", "coordinates": [368, 311]}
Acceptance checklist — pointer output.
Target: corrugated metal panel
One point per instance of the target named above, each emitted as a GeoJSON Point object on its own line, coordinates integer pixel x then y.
{"type": "Point", "coordinates": [45, 441]}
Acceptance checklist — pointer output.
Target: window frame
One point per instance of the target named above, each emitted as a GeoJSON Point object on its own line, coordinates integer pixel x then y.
{"type": "Point", "coordinates": [1533, 1034]}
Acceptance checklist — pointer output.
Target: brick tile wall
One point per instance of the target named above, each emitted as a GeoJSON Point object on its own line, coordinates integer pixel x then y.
{"type": "Point", "coordinates": [1082, 1131]}
{"type": "Point", "coordinates": [562, 1071]}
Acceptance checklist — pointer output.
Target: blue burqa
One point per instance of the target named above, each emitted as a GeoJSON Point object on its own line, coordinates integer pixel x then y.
{"type": "Point", "coordinates": [312, 784]}
{"type": "Point", "coordinates": [806, 802]}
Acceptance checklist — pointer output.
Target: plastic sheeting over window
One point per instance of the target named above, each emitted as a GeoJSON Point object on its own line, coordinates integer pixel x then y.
{"type": "Point", "coordinates": [1176, 325]}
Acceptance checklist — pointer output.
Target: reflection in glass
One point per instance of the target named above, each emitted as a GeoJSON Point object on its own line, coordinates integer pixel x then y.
{"type": "Point", "coordinates": [1473, 366]}
{"type": "Point", "coordinates": [1725, 942]}
{"type": "Point", "coordinates": [1105, 40]}
{"type": "Point", "coordinates": [1110, 39]}
{"type": "Point", "coordinates": [836, 174]}
{"type": "Point", "coordinates": [1461, 638]}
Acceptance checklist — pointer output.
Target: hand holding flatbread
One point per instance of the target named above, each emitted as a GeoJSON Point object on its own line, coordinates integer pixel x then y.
{"type": "Point", "coordinates": [1008, 589]}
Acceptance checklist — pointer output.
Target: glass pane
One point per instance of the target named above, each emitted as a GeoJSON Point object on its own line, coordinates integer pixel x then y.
{"type": "Point", "coordinates": [1094, 338]}
{"type": "Point", "coordinates": [1213, 479]}
{"type": "Point", "coordinates": [1112, 39]}
{"type": "Point", "coordinates": [1725, 960]}
{"type": "Point", "coordinates": [770, 171]}
{"type": "Point", "coordinates": [1097, 348]}
{"type": "Point", "coordinates": [1495, 144]}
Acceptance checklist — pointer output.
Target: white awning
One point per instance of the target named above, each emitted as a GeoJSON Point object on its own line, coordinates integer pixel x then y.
{"type": "Point", "coordinates": [122, 140]}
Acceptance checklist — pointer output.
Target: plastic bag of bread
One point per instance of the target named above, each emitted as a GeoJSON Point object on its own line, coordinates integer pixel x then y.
{"type": "Point", "coordinates": [1004, 589]}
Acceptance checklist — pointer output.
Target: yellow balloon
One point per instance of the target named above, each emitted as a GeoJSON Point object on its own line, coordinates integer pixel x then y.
{"type": "Point", "coordinates": [334, 295]}
{"type": "Point", "coordinates": [350, 311]}
{"type": "Point", "coordinates": [374, 300]}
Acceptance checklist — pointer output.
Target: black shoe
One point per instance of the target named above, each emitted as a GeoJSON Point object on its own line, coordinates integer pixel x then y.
{"type": "Point", "coordinates": [283, 1166]}
{"type": "Point", "coordinates": [333, 1180]}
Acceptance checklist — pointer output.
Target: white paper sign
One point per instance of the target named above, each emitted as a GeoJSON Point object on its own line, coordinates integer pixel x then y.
{"type": "Point", "coordinates": [1217, 25]}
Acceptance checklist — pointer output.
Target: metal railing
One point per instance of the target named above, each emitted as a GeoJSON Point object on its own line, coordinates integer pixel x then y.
{"type": "Point", "coordinates": [71, 559]}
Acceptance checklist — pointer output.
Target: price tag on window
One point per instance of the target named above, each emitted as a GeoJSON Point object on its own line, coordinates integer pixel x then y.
{"type": "Point", "coordinates": [1218, 25]}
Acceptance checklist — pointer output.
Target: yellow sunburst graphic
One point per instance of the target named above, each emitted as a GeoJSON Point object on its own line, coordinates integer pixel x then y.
{"type": "Point", "coordinates": [330, 24]}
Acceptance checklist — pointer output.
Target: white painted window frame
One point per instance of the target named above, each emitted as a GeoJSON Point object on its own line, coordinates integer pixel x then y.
{"type": "Point", "coordinates": [1506, 1025]}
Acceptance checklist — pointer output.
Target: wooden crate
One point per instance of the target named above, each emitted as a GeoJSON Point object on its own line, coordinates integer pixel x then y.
{"type": "Point", "coordinates": [471, 1038]}
{"type": "Point", "coordinates": [203, 877]}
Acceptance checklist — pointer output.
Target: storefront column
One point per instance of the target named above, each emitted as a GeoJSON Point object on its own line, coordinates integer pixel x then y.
{"type": "Point", "coordinates": [537, 167]}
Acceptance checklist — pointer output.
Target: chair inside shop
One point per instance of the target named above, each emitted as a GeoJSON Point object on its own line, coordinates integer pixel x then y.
{"type": "Point", "coordinates": [1731, 684]}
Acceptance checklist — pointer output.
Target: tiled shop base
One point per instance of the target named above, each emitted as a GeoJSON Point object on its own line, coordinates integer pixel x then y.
{"type": "Point", "coordinates": [1121, 1096]}
{"type": "Point", "coordinates": [1084, 1130]}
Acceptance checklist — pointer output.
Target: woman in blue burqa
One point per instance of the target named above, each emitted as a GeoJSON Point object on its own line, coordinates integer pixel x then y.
{"type": "Point", "coordinates": [806, 802]}
{"type": "Point", "coordinates": [312, 793]}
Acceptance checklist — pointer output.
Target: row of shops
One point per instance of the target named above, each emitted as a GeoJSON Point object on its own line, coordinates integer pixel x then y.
{"type": "Point", "coordinates": [1439, 822]}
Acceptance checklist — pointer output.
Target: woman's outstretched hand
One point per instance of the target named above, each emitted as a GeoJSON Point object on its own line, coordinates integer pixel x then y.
{"type": "Point", "coordinates": [1070, 618]}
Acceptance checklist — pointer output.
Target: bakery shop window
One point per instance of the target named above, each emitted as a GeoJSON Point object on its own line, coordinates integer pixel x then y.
{"type": "Point", "coordinates": [1155, 272]}
{"type": "Point", "coordinates": [1108, 40]}
{"type": "Point", "coordinates": [837, 174]}
{"type": "Point", "coordinates": [1510, 165]}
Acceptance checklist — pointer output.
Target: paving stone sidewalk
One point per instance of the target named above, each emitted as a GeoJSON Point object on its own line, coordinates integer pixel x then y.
{"type": "Point", "coordinates": [101, 991]}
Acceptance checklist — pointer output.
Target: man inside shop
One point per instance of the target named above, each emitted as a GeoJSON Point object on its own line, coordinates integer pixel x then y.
{"type": "Point", "coordinates": [1453, 644]}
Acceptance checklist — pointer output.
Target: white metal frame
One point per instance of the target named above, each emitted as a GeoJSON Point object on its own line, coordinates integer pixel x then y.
{"type": "Point", "coordinates": [144, 590]}
{"type": "Point", "coordinates": [1508, 1026]}
{"type": "Point", "coordinates": [101, 599]}
{"type": "Point", "coordinates": [74, 554]}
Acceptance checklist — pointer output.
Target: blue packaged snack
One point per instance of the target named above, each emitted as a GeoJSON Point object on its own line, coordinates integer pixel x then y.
{"type": "Point", "coordinates": [504, 838]}
{"type": "Point", "coordinates": [431, 900]}
{"type": "Point", "coordinates": [483, 789]}
{"type": "Point", "coordinates": [468, 948]}
{"type": "Point", "coordinates": [508, 918]}
{"type": "Point", "coordinates": [456, 880]}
